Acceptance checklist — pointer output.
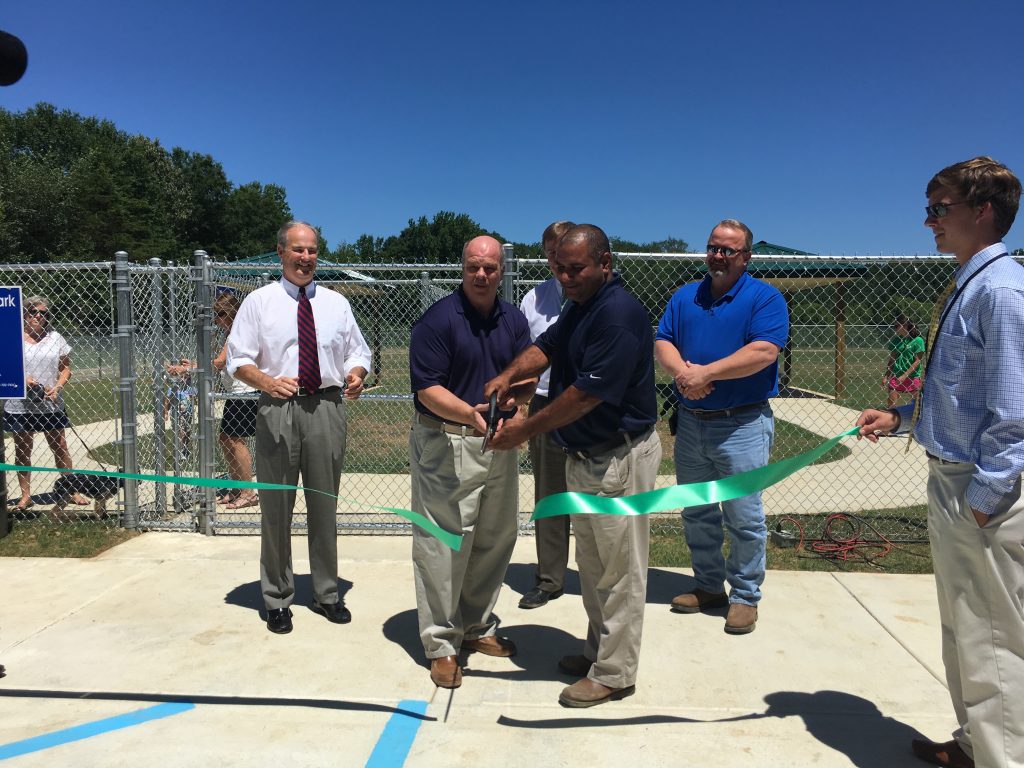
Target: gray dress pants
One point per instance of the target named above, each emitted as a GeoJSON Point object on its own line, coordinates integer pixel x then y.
{"type": "Point", "coordinates": [475, 494]}
{"type": "Point", "coordinates": [302, 436]}
{"type": "Point", "coordinates": [551, 533]}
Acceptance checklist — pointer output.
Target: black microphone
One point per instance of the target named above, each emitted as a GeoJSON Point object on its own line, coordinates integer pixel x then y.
{"type": "Point", "coordinates": [13, 59]}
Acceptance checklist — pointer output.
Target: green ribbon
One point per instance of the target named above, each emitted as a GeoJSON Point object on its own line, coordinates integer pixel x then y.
{"type": "Point", "coordinates": [451, 540]}
{"type": "Point", "coordinates": [689, 495]}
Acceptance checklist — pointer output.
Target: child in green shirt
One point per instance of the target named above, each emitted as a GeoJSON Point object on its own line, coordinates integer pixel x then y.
{"type": "Point", "coordinates": [906, 350]}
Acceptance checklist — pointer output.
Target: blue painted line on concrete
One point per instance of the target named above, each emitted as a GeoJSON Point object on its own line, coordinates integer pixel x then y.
{"type": "Point", "coordinates": [398, 735]}
{"type": "Point", "coordinates": [88, 730]}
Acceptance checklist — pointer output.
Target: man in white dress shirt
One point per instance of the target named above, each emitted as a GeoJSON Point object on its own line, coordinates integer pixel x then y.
{"type": "Point", "coordinates": [542, 306]}
{"type": "Point", "coordinates": [300, 426]}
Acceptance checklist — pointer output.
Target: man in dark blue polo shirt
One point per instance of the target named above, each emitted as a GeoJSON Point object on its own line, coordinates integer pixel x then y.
{"type": "Point", "coordinates": [458, 344]}
{"type": "Point", "coordinates": [603, 411]}
{"type": "Point", "coordinates": [720, 340]}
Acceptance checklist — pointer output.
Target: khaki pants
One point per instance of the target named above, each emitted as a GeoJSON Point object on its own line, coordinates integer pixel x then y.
{"type": "Point", "coordinates": [476, 494]}
{"type": "Point", "coordinates": [611, 554]}
{"type": "Point", "coordinates": [979, 576]}
{"type": "Point", "coordinates": [303, 436]}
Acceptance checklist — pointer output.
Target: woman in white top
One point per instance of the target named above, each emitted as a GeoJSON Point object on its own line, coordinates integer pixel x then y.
{"type": "Point", "coordinates": [47, 371]}
{"type": "Point", "coordinates": [239, 419]}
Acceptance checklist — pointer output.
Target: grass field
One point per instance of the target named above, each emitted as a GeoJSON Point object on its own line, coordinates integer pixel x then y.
{"type": "Point", "coordinates": [818, 551]}
{"type": "Point", "coordinates": [43, 539]}
{"type": "Point", "coordinates": [378, 442]}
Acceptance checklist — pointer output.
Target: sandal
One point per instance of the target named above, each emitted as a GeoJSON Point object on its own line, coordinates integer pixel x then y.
{"type": "Point", "coordinates": [244, 501]}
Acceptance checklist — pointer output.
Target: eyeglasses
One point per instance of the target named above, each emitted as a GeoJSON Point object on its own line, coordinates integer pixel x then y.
{"type": "Point", "coordinates": [38, 312]}
{"type": "Point", "coordinates": [939, 210]}
{"type": "Point", "coordinates": [727, 252]}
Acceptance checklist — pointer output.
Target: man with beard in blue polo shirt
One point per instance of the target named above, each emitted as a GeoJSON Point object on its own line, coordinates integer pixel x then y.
{"type": "Point", "coordinates": [459, 343]}
{"type": "Point", "coordinates": [603, 411]}
{"type": "Point", "coordinates": [720, 340]}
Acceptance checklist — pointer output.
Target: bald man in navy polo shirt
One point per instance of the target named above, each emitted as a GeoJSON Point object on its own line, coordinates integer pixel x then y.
{"type": "Point", "coordinates": [720, 340]}
{"type": "Point", "coordinates": [458, 344]}
{"type": "Point", "coordinates": [603, 411]}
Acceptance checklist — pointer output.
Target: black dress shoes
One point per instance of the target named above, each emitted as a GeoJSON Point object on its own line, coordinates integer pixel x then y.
{"type": "Point", "coordinates": [279, 621]}
{"type": "Point", "coordinates": [336, 613]}
{"type": "Point", "coordinates": [537, 597]}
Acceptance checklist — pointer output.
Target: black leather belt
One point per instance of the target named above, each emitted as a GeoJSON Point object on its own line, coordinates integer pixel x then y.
{"type": "Point", "coordinates": [724, 412]}
{"type": "Point", "coordinates": [613, 442]}
{"type": "Point", "coordinates": [322, 391]}
{"type": "Point", "coordinates": [933, 457]}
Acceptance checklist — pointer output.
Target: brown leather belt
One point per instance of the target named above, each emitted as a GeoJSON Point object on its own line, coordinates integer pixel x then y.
{"type": "Point", "coordinates": [464, 430]}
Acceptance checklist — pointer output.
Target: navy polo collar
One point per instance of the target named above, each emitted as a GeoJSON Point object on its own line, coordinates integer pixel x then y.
{"type": "Point", "coordinates": [465, 308]}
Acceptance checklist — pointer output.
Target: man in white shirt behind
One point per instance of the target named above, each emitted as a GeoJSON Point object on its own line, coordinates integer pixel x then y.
{"type": "Point", "coordinates": [542, 306]}
{"type": "Point", "coordinates": [302, 363]}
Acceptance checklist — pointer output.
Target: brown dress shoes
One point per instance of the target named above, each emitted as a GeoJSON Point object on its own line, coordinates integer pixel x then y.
{"type": "Point", "coordinates": [948, 754]}
{"type": "Point", "coordinates": [491, 645]}
{"type": "Point", "coordinates": [445, 672]}
{"type": "Point", "coordinates": [587, 693]}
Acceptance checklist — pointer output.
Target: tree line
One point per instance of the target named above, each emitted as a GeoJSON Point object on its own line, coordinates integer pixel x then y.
{"type": "Point", "coordinates": [77, 189]}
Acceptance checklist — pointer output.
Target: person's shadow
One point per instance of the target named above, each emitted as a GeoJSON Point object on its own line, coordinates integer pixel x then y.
{"type": "Point", "coordinates": [538, 648]}
{"type": "Point", "coordinates": [848, 724]}
{"type": "Point", "coordinates": [250, 595]}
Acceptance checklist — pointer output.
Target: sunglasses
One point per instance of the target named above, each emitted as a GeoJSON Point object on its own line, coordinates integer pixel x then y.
{"type": "Point", "coordinates": [38, 312]}
{"type": "Point", "coordinates": [939, 210]}
{"type": "Point", "coordinates": [727, 252]}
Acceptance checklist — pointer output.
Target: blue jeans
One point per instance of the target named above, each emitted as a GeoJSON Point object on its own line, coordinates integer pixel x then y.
{"type": "Point", "coordinates": [710, 450]}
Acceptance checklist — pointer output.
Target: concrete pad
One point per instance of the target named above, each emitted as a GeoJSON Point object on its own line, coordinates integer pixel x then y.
{"type": "Point", "coordinates": [840, 671]}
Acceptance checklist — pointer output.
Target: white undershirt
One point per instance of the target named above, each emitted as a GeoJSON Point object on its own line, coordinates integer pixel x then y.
{"type": "Point", "coordinates": [542, 306]}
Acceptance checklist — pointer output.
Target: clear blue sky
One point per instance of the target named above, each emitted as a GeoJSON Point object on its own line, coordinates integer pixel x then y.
{"type": "Point", "coordinates": [818, 123]}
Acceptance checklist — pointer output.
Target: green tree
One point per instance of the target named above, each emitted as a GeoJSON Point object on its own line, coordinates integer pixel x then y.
{"type": "Point", "coordinates": [252, 215]}
{"type": "Point", "coordinates": [438, 241]}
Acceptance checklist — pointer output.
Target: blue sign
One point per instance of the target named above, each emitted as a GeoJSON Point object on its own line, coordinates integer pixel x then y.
{"type": "Point", "coordinates": [12, 344]}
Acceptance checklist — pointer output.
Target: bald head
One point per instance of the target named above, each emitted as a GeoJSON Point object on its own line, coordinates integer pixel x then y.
{"type": "Point", "coordinates": [483, 246]}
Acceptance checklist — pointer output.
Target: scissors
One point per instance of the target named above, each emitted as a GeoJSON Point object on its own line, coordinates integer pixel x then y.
{"type": "Point", "coordinates": [492, 420]}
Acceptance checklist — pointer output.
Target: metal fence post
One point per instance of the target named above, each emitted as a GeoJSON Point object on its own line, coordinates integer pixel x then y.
{"type": "Point", "coordinates": [125, 335]}
{"type": "Point", "coordinates": [425, 301]}
{"type": "Point", "coordinates": [159, 435]}
{"type": "Point", "coordinates": [207, 416]}
{"type": "Point", "coordinates": [508, 282]}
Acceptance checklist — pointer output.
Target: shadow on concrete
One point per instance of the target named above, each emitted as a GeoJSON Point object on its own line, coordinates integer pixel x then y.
{"type": "Point", "coordinates": [403, 629]}
{"type": "Point", "coordinates": [590, 722]}
{"type": "Point", "coordinates": [539, 648]}
{"type": "Point", "coordinates": [233, 701]}
{"type": "Point", "coordinates": [662, 586]}
{"type": "Point", "coordinates": [848, 724]}
{"type": "Point", "coordinates": [250, 595]}
{"type": "Point", "coordinates": [841, 721]}
{"type": "Point", "coordinates": [521, 578]}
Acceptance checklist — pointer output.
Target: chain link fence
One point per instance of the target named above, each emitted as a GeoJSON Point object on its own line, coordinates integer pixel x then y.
{"type": "Point", "coordinates": [146, 395]}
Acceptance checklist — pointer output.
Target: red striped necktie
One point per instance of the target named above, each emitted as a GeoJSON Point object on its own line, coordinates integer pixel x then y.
{"type": "Point", "coordinates": [309, 359]}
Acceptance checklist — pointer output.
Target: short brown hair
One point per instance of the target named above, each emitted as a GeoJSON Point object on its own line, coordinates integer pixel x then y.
{"type": "Point", "coordinates": [556, 230]}
{"type": "Point", "coordinates": [982, 180]}
{"type": "Point", "coordinates": [748, 236]}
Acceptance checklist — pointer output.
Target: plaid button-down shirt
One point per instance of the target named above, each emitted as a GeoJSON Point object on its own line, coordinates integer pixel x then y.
{"type": "Point", "coordinates": [973, 406]}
